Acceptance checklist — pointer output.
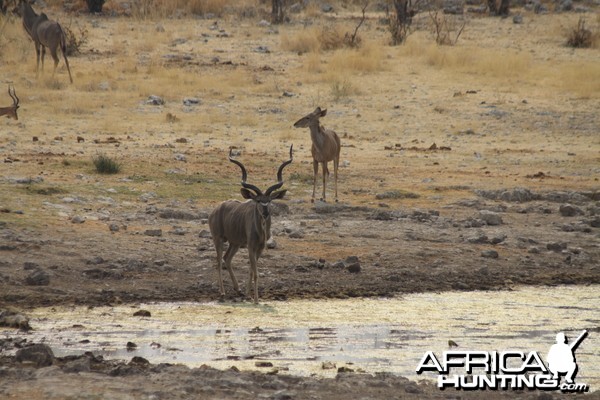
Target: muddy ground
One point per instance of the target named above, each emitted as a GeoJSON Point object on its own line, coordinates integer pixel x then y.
{"type": "Point", "coordinates": [450, 179]}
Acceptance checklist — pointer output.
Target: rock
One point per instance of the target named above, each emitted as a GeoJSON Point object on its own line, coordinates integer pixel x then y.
{"type": "Point", "coordinates": [271, 244]}
{"type": "Point", "coordinates": [263, 364]}
{"type": "Point", "coordinates": [278, 208]}
{"type": "Point", "coordinates": [131, 346]}
{"type": "Point", "coordinates": [296, 234]}
{"type": "Point", "coordinates": [205, 234]}
{"type": "Point", "coordinates": [191, 101]}
{"type": "Point", "coordinates": [556, 246]}
{"type": "Point", "coordinates": [338, 264]}
{"type": "Point", "coordinates": [568, 210]}
{"type": "Point", "coordinates": [180, 157]}
{"type": "Point", "coordinates": [39, 354]}
{"type": "Point", "coordinates": [491, 218]}
{"type": "Point", "coordinates": [139, 361]}
{"type": "Point", "coordinates": [478, 239]}
{"type": "Point", "coordinates": [354, 268]}
{"type": "Point", "coordinates": [114, 227]}
{"type": "Point", "coordinates": [345, 369]}
{"type": "Point", "coordinates": [82, 364]}
{"type": "Point", "coordinates": [153, 232]}
{"type": "Point", "coordinates": [77, 219]}
{"type": "Point", "coordinates": [142, 313]}
{"type": "Point", "coordinates": [327, 365]}
{"type": "Point", "coordinates": [498, 239]}
{"type": "Point", "coordinates": [351, 260]}
{"type": "Point", "coordinates": [489, 254]}
{"type": "Point", "coordinates": [595, 222]}
{"type": "Point", "coordinates": [155, 100]}
{"type": "Point", "coordinates": [38, 278]}
{"type": "Point", "coordinates": [14, 319]}
{"type": "Point", "coordinates": [518, 19]}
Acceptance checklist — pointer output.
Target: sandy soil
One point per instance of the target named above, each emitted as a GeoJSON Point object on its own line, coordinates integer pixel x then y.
{"type": "Point", "coordinates": [509, 194]}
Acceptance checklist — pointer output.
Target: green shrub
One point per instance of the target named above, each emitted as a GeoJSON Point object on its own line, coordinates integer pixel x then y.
{"type": "Point", "coordinates": [106, 165]}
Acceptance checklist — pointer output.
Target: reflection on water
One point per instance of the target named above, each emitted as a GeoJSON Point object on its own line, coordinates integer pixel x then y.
{"type": "Point", "coordinates": [303, 336]}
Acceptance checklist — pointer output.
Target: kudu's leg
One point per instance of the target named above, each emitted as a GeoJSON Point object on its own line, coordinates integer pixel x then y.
{"type": "Point", "coordinates": [231, 250]}
{"type": "Point", "coordinates": [219, 247]}
{"type": "Point", "coordinates": [325, 173]}
{"type": "Point", "coordinates": [63, 48]}
{"type": "Point", "coordinates": [43, 56]}
{"type": "Point", "coordinates": [253, 276]}
{"type": "Point", "coordinates": [37, 58]}
{"type": "Point", "coordinates": [55, 58]}
{"type": "Point", "coordinates": [315, 173]}
{"type": "Point", "coordinates": [336, 163]}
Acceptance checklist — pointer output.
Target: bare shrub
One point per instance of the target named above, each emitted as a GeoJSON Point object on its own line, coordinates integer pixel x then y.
{"type": "Point", "coordinates": [401, 20]}
{"type": "Point", "coordinates": [446, 30]}
{"type": "Point", "coordinates": [75, 40]}
{"type": "Point", "coordinates": [580, 36]}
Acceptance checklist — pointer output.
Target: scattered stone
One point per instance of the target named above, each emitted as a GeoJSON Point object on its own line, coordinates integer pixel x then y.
{"type": "Point", "coordinates": [191, 101]}
{"type": "Point", "coordinates": [556, 246]}
{"type": "Point", "coordinates": [205, 234]}
{"type": "Point", "coordinates": [345, 369]}
{"type": "Point", "coordinates": [354, 268]}
{"type": "Point", "coordinates": [498, 239]}
{"type": "Point", "coordinates": [155, 100]}
{"type": "Point", "coordinates": [263, 364]}
{"type": "Point", "coordinates": [180, 157]}
{"type": "Point", "coordinates": [595, 222]}
{"type": "Point", "coordinates": [339, 264]}
{"type": "Point", "coordinates": [77, 219]}
{"type": "Point", "coordinates": [39, 354]}
{"type": "Point", "coordinates": [534, 250]}
{"type": "Point", "coordinates": [328, 365]}
{"type": "Point", "coordinates": [114, 227]}
{"type": "Point", "coordinates": [153, 232]}
{"type": "Point", "coordinates": [518, 19]}
{"type": "Point", "coordinates": [568, 210]}
{"type": "Point", "coordinates": [478, 239]}
{"type": "Point", "coordinates": [139, 361]}
{"type": "Point", "coordinates": [14, 319]}
{"type": "Point", "coordinates": [131, 346]}
{"type": "Point", "coordinates": [271, 243]}
{"type": "Point", "coordinates": [491, 218]}
{"type": "Point", "coordinates": [38, 278]}
{"type": "Point", "coordinates": [489, 254]}
{"type": "Point", "coordinates": [296, 234]}
{"type": "Point", "coordinates": [81, 364]}
{"type": "Point", "coordinates": [142, 313]}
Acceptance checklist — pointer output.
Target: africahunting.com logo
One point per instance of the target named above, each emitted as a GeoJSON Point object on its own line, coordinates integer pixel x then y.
{"type": "Point", "coordinates": [508, 369]}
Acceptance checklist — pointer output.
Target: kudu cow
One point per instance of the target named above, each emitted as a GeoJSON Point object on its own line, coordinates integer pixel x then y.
{"type": "Point", "coordinates": [326, 147]}
{"type": "Point", "coordinates": [245, 224]}
{"type": "Point", "coordinates": [11, 111]}
{"type": "Point", "coordinates": [45, 33]}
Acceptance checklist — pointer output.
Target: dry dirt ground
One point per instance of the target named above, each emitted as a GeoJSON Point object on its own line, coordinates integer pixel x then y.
{"type": "Point", "coordinates": [508, 195]}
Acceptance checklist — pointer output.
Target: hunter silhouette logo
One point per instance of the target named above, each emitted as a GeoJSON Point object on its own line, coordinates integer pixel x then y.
{"type": "Point", "coordinates": [561, 357]}
{"type": "Point", "coordinates": [508, 369]}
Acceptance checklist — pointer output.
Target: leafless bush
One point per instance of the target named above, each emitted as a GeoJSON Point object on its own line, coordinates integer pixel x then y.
{"type": "Point", "coordinates": [75, 41]}
{"type": "Point", "coordinates": [401, 20]}
{"type": "Point", "coordinates": [446, 30]}
{"type": "Point", "coordinates": [580, 37]}
{"type": "Point", "coordinates": [353, 40]}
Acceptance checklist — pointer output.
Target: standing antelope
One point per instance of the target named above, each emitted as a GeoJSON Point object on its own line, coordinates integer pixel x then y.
{"type": "Point", "coordinates": [326, 147]}
{"type": "Point", "coordinates": [11, 111]}
{"type": "Point", "coordinates": [245, 224]}
{"type": "Point", "coordinates": [44, 33]}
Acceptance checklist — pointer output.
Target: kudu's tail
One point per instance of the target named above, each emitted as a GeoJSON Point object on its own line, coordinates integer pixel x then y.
{"type": "Point", "coordinates": [63, 48]}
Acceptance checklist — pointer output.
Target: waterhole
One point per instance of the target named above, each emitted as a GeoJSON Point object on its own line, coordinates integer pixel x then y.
{"type": "Point", "coordinates": [305, 337]}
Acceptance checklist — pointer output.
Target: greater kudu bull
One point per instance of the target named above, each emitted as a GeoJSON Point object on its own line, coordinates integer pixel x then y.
{"type": "Point", "coordinates": [44, 33]}
{"type": "Point", "coordinates": [11, 111]}
{"type": "Point", "coordinates": [245, 224]}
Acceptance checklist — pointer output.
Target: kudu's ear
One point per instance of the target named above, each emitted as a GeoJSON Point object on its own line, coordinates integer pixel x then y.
{"type": "Point", "coordinates": [278, 194]}
{"type": "Point", "coordinates": [323, 113]}
{"type": "Point", "coordinates": [247, 194]}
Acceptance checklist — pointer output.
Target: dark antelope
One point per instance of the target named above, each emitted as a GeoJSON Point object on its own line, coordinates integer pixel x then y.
{"type": "Point", "coordinates": [11, 111]}
{"type": "Point", "coordinates": [245, 224]}
{"type": "Point", "coordinates": [45, 33]}
{"type": "Point", "coordinates": [326, 147]}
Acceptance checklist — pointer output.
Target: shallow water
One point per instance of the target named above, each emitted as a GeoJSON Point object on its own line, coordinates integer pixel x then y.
{"type": "Point", "coordinates": [363, 334]}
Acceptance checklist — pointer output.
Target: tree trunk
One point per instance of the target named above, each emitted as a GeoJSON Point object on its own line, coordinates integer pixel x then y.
{"type": "Point", "coordinates": [492, 6]}
{"type": "Point", "coordinates": [277, 11]}
{"type": "Point", "coordinates": [504, 8]}
{"type": "Point", "coordinates": [403, 14]}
